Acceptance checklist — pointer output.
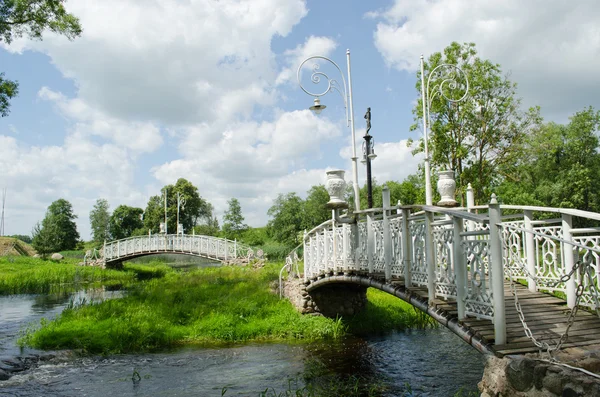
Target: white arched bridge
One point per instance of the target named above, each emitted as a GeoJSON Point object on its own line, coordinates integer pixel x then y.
{"type": "Point", "coordinates": [507, 279]}
{"type": "Point", "coordinates": [215, 248]}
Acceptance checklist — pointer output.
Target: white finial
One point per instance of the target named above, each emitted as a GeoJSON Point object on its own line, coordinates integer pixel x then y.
{"type": "Point", "coordinates": [493, 200]}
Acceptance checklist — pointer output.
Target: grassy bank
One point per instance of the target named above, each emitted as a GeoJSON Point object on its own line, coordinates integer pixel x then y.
{"type": "Point", "coordinates": [26, 275]}
{"type": "Point", "coordinates": [206, 306]}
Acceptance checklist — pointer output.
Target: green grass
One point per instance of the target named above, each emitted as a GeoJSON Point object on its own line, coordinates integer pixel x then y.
{"type": "Point", "coordinates": [26, 275]}
{"type": "Point", "coordinates": [206, 306]}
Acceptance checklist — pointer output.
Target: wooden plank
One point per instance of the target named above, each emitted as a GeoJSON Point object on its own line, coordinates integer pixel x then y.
{"type": "Point", "coordinates": [529, 347]}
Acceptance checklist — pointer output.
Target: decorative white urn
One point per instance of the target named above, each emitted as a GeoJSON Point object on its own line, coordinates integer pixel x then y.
{"type": "Point", "coordinates": [446, 188]}
{"type": "Point", "coordinates": [336, 186]}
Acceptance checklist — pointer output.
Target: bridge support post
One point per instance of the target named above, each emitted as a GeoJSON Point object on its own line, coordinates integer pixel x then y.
{"type": "Point", "coordinates": [530, 247]}
{"type": "Point", "coordinates": [460, 267]}
{"type": "Point", "coordinates": [430, 256]}
{"type": "Point", "coordinates": [406, 248]}
{"type": "Point", "coordinates": [569, 258]}
{"type": "Point", "coordinates": [495, 215]}
{"type": "Point", "coordinates": [387, 238]}
{"type": "Point", "coordinates": [306, 257]}
{"type": "Point", "coordinates": [370, 242]}
{"type": "Point", "coordinates": [326, 245]}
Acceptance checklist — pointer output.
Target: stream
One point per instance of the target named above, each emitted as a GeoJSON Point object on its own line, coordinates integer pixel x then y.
{"type": "Point", "coordinates": [431, 362]}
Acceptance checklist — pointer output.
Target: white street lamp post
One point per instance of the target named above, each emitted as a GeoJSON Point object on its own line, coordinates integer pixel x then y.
{"type": "Point", "coordinates": [180, 202]}
{"type": "Point", "coordinates": [333, 84]}
{"type": "Point", "coordinates": [451, 82]}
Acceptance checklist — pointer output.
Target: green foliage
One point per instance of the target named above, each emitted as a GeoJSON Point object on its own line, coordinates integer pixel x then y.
{"type": "Point", "coordinates": [211, 228]}
{"type": "Point", "coordinates": [44, 241]}
{"type": "Point", "coordinates": [479, 135]}
{"type": "Point", "coordinates": [286, 222]}
{"type": "Point", "coordinates": [23, 238]}
{"type": "Point", "coordinates": [100, 221]}
{"type": "Point", "coordinates": [58, 231]}
{"type": "Point", "coordinates": [31, 18]}
{"type": "Point", "coordinates": [559, 166]}
{"type": "Point", "coordinates": [26, 275]}
{"type": "Point", "coordinates": [8, 90]}
{"type": "Point", "coordinates": [255, 236]}
{"type": "Point", "coordinates": [126, 221]}
{"type": "Point", "coordinates": [233, 220]}
{"type": "Point", "coordinates": [194, 211]}
{"type": "Point", "coordinates": [315, 207]}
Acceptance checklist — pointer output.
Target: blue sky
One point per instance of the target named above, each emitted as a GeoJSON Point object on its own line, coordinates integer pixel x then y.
{"type": "Point", "coordinates": [207, 91]}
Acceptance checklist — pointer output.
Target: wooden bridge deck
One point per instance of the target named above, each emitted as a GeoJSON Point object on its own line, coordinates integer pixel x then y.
{"type": "Point", "coordinates": [545, 315]}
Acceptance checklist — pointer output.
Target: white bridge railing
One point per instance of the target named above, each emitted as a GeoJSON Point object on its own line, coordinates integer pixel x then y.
{"type": "Point", "coordinates": [204, 246]}
{"type": "Point", "coordinates": [464, 254]}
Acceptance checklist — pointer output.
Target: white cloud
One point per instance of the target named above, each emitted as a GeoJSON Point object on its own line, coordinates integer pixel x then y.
{"type": "Point", "coordinates": [313, 45]}
{"type": "Point", "coordinates": [170, 61]}
{"type": "Point", "coordinates": [88, 121]}
{"type": "Point", "coordinates": [80, 171]}
{"type": "Point", "coordinates": [551, 46]}
{"type": "Point", "coordinates": [252, 161]}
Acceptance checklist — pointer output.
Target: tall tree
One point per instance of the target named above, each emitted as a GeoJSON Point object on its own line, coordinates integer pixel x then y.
{"type": "Point", "coordinates": [315, 207]}
{"type": "Point", "coordinates": [286, 222]}
{"type": "Point", "coordinates": [44, 239]}
{"type": "Point", "coordinates": [124, 221]}
{"type": "Point", "coordinates": [60, 224]}
{"type": "Point", "coordinates": [233, 220]}
{"type": "Point", "coordinates": [558, 166]}
{"type": "Point", "coordinates": [477, 136]}
{"type": "Point", "coordinates": [100, 220]}
{"type": "Point", "coordinates": [31, 18]}
{"type": "Point", "coordinates": [193, 211]}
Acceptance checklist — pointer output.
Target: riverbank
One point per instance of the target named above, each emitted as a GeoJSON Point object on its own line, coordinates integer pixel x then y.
{"type": "Point", "coordinates": [206, 307]}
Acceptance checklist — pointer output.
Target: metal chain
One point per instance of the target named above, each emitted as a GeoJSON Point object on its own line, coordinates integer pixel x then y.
{"type": "Point", "coordinates": [586, 270]}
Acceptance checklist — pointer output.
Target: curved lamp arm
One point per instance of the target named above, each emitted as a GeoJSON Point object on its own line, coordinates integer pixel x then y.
{"type": "Point", "coordinates": [332, 84]}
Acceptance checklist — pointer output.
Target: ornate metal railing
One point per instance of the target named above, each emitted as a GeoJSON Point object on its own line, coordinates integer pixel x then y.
{"type": "Point", "coordinates": [464, 254]}
{"type": "Point", "coordinates": [205, 246]}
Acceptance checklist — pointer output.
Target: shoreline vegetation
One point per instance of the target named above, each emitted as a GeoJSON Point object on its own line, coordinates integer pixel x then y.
{"type": "Point", "coordinates": [165, 308]}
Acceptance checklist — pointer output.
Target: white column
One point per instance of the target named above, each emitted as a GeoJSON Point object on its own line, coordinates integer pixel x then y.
{"type": "Point", "coordinates": [460, 267]}
{"type": "Point", "coordinates": [530, 248]}
{"type": "Point", "coordinates": [569, 258]}
{"type": "Point", "coordinates": [430, 256]}
{"type": "Point", "coordinates": [370, 242]}
{"type": "Point", "coordinates": [354, 158]}
{"type": "Point", "coordinates": [428, 192]}
{"type": "Point", "coordinates": [495, 215]}
{"type": "Point", "coordinates": [406, 248]}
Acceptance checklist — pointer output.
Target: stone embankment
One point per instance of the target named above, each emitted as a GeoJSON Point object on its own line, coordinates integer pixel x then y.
{"type": "Point", "coordinates": [330, 301]}
{"type": "Point", "coordinates": [530, 376]}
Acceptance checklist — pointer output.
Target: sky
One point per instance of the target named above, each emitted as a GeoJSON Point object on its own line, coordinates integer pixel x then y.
{"type": "Point", "coordinates": [206, 90]}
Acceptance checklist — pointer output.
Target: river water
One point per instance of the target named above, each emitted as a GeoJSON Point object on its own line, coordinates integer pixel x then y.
{"type": "Point", "coordinates": [431, 362]}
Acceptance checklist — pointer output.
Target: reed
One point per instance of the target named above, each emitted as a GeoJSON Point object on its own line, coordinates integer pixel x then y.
{"type": "Point", "coordinates": [26, 275]}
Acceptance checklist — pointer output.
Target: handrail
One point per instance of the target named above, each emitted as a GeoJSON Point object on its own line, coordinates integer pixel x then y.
{"type": "Point", "coordinates": [566, 211]}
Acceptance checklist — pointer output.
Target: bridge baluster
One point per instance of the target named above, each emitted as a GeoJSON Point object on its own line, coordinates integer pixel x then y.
{"type": "Point", "coordinates": [460, 267]}
{"type": "Point", "coordinates": [430, 255]}
{"type": "Point", "coordinates": [530, 248]}
{"type": "Point", "coordinates": [370, 242]}
{"type": "Point", "coordinates": [497, 281]}
{"type": "Point", "coordinates": [387, 238]}
{"type": "Point", "coordinates": [569, 257]}
{"type": "Point", "coordinates": [406, 247]}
